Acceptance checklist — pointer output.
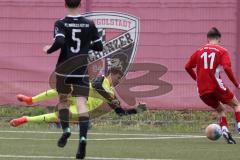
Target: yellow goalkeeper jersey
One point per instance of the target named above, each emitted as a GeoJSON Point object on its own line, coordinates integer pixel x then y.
{"type": "Point", "coordinates": [95, 100]}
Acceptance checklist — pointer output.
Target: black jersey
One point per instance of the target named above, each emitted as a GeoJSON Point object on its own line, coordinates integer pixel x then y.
{"type": "Point", "coordinates": [75, 36]}
{"type": "Point", "coordinates": [78, 33]}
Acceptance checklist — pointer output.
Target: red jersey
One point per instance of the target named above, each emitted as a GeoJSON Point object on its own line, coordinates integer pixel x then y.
{"type": "Point", "coordinates": [208, 61]}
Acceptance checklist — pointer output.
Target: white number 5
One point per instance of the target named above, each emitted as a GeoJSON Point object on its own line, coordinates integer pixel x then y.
{"type": "Point", "coordinates": [78, 40]}
{"type": "Point", "coordinates": [205, 59]}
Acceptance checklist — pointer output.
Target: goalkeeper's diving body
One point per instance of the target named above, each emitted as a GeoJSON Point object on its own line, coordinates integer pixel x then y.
{"type": "Point", "coordinates": [97, 98]}
{"type": "Point", "coordinates": [101, 92]}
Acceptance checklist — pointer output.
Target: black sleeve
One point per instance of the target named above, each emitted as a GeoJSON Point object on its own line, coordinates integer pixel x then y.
{"type": "Point", "coordinates": [121, 112]}
{"type": "Point", "coordinates": [96, 44]}
{"type": "Point", "coordinates": [113, 106]}
{"type": "Point", "coordinates": [131, 111]}
{"type": "Point", "coordinates": [97, 85]}
{"type": "Point", "coordinates": [59, 37]}
{"type": "Point", "coordinates": [58, 43]}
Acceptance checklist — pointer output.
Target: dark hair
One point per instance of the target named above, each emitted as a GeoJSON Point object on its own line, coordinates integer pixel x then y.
{"type": "Point", "coordinates": [72, 3]}
{"type": "Point", "coordinates": [115, 70]}
{"type": "Point", "coordinates": [214, 33]}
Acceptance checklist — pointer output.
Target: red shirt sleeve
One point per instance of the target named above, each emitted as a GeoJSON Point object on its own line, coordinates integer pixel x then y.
{"type": "Point", "coordinates": [227, 66]}
{"type": "Point", "coordinates": [190, 65]}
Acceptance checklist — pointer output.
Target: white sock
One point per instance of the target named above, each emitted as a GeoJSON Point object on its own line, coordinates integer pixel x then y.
{"type": "Point", "coordinates": [224, 129]}
{"type": "Point", "coordinates": [238, 125]}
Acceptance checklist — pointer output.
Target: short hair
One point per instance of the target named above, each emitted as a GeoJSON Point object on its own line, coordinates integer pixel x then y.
{"type": "Point", "coordinates": [72, 3]}
{"type": "Point", "coordinates": [214, 33]}
{"type": "Point", "coordinates": [115, 70]}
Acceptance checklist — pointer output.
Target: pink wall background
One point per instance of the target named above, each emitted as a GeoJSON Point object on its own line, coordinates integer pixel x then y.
{"type": "Point", "coordinates": [170, 31]}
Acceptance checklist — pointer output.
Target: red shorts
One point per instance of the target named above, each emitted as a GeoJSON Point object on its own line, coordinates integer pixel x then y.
{"type": "Point", "coordinates": [214, 98]}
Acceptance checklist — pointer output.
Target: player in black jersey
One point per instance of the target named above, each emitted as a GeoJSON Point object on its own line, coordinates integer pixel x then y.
{"type": "Point", "coordinates": [75, 36]}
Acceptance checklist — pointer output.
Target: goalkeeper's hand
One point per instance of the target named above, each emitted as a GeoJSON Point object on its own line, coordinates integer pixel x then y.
{"type": "Point", "coordinates": [138, 109]}
{"type": "Point", "coordinates": [141, 107]}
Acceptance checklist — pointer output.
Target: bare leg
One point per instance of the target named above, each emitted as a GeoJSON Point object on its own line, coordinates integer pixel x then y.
{"type": "Point", "coordinates": [84, 124]}
{"type": "Point", "coordinates": [224, 125]}
{"type": "Point", "coordinates": [63, 112]}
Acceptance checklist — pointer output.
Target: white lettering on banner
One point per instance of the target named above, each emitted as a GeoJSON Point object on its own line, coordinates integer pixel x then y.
{"type": "Point", "coordinates": [113, 22]}
{"type": "Point", "coordinates": [112, 46]}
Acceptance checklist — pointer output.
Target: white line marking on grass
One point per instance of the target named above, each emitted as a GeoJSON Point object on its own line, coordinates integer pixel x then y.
{"type": "Point", "coordinates": [104, 139]}
{"type": "Point", "coordinates": [99, 158]}
{"type": "Point", "coordinates": [57, 157]}
{"type": "Point", "coordinates": [34, 157]}
{"type": "Point", "coordinates": [92, 133]}
{"type": "Point", "coordinates": [142, 138]}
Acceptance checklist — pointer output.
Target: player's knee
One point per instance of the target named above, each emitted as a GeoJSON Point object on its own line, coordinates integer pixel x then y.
{"type": "Point", "coordinates": [234, 102]}
{"type": "Point", "coordinates": [234, 105]}
{"type": "Point", "coordinates": [219, 109]}
{"type": "Point", "coordinates": [83, 115]}
{"type": "Point", "coordinates": [63, 106]}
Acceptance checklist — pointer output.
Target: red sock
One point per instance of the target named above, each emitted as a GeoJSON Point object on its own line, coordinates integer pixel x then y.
{"type": "Point", "coordinates": [223, 121]}
{"type": "Point", "coordinates": [237, 116]}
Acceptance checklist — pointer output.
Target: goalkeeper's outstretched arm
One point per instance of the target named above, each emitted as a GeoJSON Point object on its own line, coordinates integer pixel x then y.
{"type": "Point", "coordinates": [112, 101]}
{"type": "Point", "coordinates": [125, 112]}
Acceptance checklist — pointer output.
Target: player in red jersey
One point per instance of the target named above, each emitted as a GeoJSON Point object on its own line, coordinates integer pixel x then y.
{"type": "Point", "coordinates": [208, 60]}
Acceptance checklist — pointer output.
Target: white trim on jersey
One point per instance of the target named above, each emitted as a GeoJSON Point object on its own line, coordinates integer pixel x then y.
{"type": "Point", "coordinates": [74, 76]}
{"type": "Point", "coordinates": [74, 16]}
{"type": "Point", "coordinates": [219, 80]}
{"type": "Point", "coordinates": [100, 39]}
{"type": "Point", "coordinates": [59, 34]}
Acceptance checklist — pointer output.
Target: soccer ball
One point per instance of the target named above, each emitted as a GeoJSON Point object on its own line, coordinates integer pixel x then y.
{"type": "Point", "coordinates": [213, 132]}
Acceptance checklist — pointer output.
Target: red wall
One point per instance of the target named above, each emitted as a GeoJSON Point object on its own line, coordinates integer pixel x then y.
{"type": "Point", "coordinates": [170, 31]}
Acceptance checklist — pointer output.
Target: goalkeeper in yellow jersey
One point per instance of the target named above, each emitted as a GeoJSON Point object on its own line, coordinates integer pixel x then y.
{"type": "Point", "coordinates": [101, 92]}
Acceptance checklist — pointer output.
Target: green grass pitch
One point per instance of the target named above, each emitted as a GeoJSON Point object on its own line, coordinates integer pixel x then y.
{"type": "Point", "coordinates": [15, 144]}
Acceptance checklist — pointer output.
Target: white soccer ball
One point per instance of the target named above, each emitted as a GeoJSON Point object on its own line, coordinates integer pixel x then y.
{"type": "Point", "coordinates": [213, 132]}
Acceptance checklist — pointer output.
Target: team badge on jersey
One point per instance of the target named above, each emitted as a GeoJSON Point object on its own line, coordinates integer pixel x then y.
{"type": "Point", "coordinates": [120, 34]}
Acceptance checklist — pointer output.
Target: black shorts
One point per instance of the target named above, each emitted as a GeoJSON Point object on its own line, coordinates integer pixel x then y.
{"type": "Point", "coordinates": [76, 86]}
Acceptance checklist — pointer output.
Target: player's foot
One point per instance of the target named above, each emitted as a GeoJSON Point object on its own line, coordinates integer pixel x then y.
{"type": "Point", "coordinates": [141, 107]}
{"type": "Point", "coordinates": [26, 99]}
{"type": "Point", "coordinates": [238, 130]}
{"type": "Point", "coordinates": [63, 139]}
{"type": "Point", "coordinates": [228, 137]}
{"type": "Point", "coordinates": [81, 149]}
{"type": "Point", "coordinates": [18, 121]}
